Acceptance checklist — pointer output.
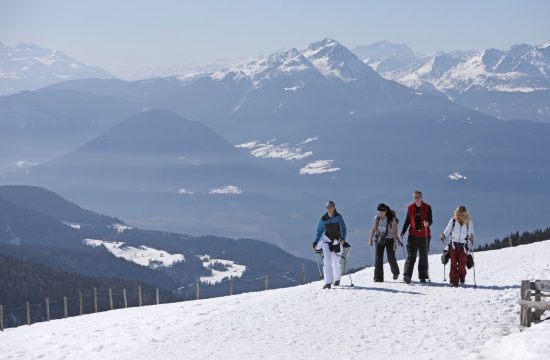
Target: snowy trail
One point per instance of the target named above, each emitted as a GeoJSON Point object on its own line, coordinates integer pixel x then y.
{"type": "Point", "coordinates": [390, 320]}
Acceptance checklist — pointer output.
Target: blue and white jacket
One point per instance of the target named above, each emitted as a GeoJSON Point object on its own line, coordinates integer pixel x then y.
{"type": "Point", "coordinates": [333, 227]}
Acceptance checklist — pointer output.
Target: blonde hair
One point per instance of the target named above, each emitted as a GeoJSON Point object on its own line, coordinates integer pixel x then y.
{"type": "Point", "coordinates": [462, 215]}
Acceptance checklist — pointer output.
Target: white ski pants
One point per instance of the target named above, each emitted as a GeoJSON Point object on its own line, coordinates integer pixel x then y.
{"type": "Point", "coordinates": [332, 267]}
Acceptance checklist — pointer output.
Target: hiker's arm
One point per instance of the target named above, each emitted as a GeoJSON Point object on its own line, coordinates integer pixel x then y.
{"type": "Point", "coordinates": [320, 229]}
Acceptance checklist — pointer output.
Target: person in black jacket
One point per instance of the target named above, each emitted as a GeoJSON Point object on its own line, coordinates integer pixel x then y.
{"type": "Point", "coordinates": [330, 238]}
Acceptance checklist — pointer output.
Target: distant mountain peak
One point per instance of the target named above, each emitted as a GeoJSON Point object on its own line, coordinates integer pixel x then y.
{"type": "Point", "coordinates": [27, 66]}
{"type": "Point", "coordinates": [333, 59]}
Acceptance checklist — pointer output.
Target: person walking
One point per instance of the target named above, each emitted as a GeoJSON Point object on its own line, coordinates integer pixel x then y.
{"type": "Point", "coordinates": [418, 222]}
{"type": "Point", "coordinates": [330, 238]}
{"type": "Point", "coordinates": [460, 231]}
{"type": "Point", "coordinates": [384, 233]}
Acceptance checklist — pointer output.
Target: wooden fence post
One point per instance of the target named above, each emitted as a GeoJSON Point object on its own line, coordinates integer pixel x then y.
{"type": "Point", "coordinates": [125, 298]}
{"type": "Point", "coordinates": [266, 282]}
{"type": "Point", "coordinates": [303, 273]}
{"type": "Point", "coordinates": [111, 299]}
{"type": "Point", "coordinates": [525, 311]}
{"type": "Point", "coordinates": [80, 302]}
{"type": "Point", "coordinates": [231, 284]}
{"type": "Point", "coordinates": [95, 300]}
{"type": "Point", "coordinates": [158, 296]}
{"type": "Point", "coordinates": [537, 313]}
{"type": "Point", "coordinates": [65, 310]}
{"type": "Point", "coordinates": [28, 313]}
{"type": "Point", "coordinates": [198, 290]}
{"type": "Point", "coordinates": [1, 317]}
{"type": "Point", "coordinates": [139, 295]}
{"type": "Point", "coordinates": [47, 309]}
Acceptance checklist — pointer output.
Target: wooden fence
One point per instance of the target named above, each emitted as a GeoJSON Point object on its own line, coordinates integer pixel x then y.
{"type": "Point", "coordinates": [531, 301]}
{"type": "Point", "coordinates": [140, 298]}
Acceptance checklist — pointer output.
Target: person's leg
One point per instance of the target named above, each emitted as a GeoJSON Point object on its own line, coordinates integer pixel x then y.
{"type": "Point", "coordinates": [391, 258]}
{"type": "Point", "coordinates": [379, 262]}
{"type": "Point", "coordinates": [412, 248]}
{"type": "Point", "coordinates": [453, 264]}
{"type": "Point", "coordinates": [327, 263]}
{"type": "Point", "coordinates": [423, 258]}
{"type": "Point", "coordinates": [462, 258]}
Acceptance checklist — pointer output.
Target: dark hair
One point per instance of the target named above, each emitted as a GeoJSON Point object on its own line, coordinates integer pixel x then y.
{"type": "Point", "coordinates": [389, 212]}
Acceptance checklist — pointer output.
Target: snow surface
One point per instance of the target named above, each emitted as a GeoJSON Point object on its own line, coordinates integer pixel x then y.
{"type": "Point", "coordinates": [184, 191]}
{"type": "Point", "coordinates": [271, 150]}
{"type": "Point", "coordinates": [318, 167]}
{"type": "Point", "coordinates": [229, 189]}
{"type": "Point", "coordinates": [389, 320]}
{"type": "Point", "coordinates": [120, 228]}
{"type": "Point", "coordinates": [144, 255]}
{"type": "Point", "coordinates": [456, 176]}
{"type": "Point", "coordinates": [218, 276]}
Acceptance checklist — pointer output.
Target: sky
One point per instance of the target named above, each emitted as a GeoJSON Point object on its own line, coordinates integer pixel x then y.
{"type": "Point", "coordinates": [125, 35]}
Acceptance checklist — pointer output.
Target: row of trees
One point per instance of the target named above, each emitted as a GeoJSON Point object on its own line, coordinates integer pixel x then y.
{"type": "Point", "coordinates": [515, 239]}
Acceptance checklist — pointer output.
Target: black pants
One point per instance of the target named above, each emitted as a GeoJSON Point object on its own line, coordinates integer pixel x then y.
{"type": "Point", "coordinates": [379, 260]}
{"type": "Point", "coordinates": [414, 245]}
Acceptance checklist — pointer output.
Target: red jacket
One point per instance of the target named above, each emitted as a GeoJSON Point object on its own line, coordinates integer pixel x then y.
{"type": "Point", "coordinates": [425, 215]}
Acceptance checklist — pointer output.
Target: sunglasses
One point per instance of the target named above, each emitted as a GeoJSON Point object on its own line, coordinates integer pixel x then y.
{"type": "Point", "coordinates": [418, 197]}
{"type": "Point", "coordinates": [330, 207]}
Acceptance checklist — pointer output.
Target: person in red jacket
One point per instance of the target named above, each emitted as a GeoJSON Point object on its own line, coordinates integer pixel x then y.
{"type": "Point", "coordinates": [418, 222]}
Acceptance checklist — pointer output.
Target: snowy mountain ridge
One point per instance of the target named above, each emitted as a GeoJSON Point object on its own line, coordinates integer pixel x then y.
{"type": "Point", "coordinates": [431, 321]}
{"type": "Point", "coordinates": [26, 66]}
{"type": "Point", "coordinates": [522, 68]}
{"type": "Point", "coordinates": [325, 58]}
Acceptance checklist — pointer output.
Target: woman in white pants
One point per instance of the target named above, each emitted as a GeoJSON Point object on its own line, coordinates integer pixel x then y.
{"type": "Point", "coordinates": [330, 238]}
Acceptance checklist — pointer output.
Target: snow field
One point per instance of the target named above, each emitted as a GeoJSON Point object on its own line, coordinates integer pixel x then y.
{"type": "Point", "coordinates": [390, 320]}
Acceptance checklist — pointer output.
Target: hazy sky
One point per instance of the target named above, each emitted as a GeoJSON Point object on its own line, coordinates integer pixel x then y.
{"type": "Point", "coordinates": [122, 35]}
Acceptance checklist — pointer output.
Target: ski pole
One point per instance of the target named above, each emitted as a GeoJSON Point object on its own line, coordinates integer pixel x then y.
{"type": "Point", "coordinates": [317, 261]}
{"type": "Point", "coordinates": [346, 266]}
{"type": "Point", "coordinates": [472, 253]}
{"type": "Point", "coordinates": [427, 253]}
{"type": "Point", "coordinates": [402, 248]}
{"type": "Point", "coordinates": [444, 263]}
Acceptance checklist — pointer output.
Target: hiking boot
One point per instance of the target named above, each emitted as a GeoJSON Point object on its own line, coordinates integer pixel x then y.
{"type": "Point", "coordinates": [378, 280]}
{"type": "Point", "coordinates": [395, 276]}
{"type": "Point", "coordinates": [327, 286]}
{"type": "Point", "coordinates": [337, 283]}
{"type": "Point", "coordinates": [422, 280]}
{"type": "Point", "coordinates": [462, 281]}
{"type": "Point", "coordinates": [407, 279]}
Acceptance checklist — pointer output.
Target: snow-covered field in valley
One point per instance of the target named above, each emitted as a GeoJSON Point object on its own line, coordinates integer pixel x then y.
{"type": "Point", "coordinates": [389, 320]}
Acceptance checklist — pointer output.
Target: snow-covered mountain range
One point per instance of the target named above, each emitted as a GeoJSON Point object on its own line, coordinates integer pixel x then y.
{"type": "Point", "coordinates": [389, 320]}
{"type": "Point", "coordinates": [513, 83]}
{"type": "Point", "coordinates": [25, 66]}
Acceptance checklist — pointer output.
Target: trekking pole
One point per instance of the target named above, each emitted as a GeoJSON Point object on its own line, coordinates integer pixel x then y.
{"type": "Point", "coordinates": [317, 261]}
{"type": "Point", "coordinates": [444, 263]}
{"type": "Point", "coordinates": [402, 247]}
{"type": "Point", "coordinates": [346, 267]}
{"type": "Point", "coordinates": [427, 253]}
{"type": "Point", "coordinates": [475, 284]}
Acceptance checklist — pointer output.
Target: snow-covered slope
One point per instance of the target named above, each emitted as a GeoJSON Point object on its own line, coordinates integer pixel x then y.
{"type": "Point", "coordinates": [26, 66]}
{"type": "Point", "coordinates": [388, 320]}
